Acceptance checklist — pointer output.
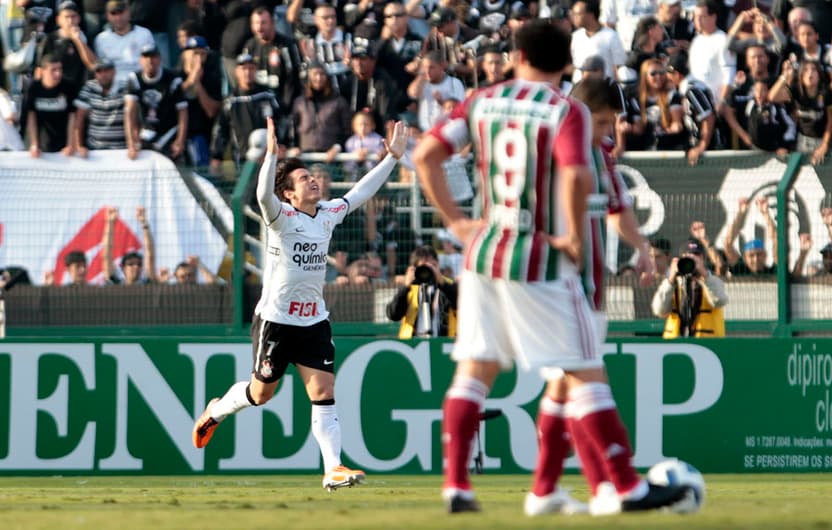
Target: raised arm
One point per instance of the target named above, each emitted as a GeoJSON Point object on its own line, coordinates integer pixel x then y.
{"type": "Point", "coordinates": [370, 183]}
{"type": "Point", "coordinates": [149, 245]}
{"type": "Point", "coordinates": [771, 229]}
{"type": "Point", "coordinates": [107, 243]}
{"type": "Point", "coordinates": [730, 252]}
{"type": "Point", "coordinates": [269, 204]}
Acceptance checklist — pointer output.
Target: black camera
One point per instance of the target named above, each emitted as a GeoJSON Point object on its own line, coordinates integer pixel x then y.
{"type": "Point", "coordinates": [686, 266]}
{"type": "Point", "coordinates": [423, 275]}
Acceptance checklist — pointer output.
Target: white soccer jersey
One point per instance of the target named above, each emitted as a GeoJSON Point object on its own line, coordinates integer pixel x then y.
{"type": "Point", "coordinates": [297, 245]}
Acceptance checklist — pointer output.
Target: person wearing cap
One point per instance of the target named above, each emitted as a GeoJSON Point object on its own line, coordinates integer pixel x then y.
{"type": "Point", "coordinates": [806, 245]}
{"type": "Point", "coordinates": [202, 87]}
{"type": "Point", "coordinates": [135, 268]}
{"type": "Point", "coordinates": [276, 57]}
{"type": "Point", "coordinates": [369, 87]}
{"type": "Point", "coordinates": [244, 110]}
{"type": "Point", "coordinates": [678, 30]}
{"type": "Point", "coordinates": [698, 106]}
{"type": "Point", "coordinates": [99, 115]}
{"type": "Point", "coordinates": [69, 44]}
{"type": "Point", "coordinates": [754, 255]}
{"type": "Point", "coordinates": [446, 36]}
{"type": "Point", "coordinates": [691, 298]}
{"type": "Point", "coordinates": [593, 38]}
{"type": "Point", "coordinates": [122, 41]}
{"type": "Point", "coordinates": [156, 111]}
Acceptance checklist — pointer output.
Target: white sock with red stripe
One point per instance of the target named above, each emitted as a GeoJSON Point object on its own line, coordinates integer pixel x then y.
{"type": "Point", "coordinates": [327, 432]}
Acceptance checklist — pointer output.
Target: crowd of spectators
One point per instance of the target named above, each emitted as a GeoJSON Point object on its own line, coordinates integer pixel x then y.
{"type": "Point", "coordinates": [196, 79]}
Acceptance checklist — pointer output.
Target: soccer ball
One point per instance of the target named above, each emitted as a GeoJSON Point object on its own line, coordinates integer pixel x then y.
{"type": "Point", "coordinates": [674, 472]}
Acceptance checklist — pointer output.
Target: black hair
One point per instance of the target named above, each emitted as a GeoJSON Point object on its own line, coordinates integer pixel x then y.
{"type": "Point", "coordinates": [191, 28]}
{"type": "Point", "coordinates": [49, 59]}
{"type": "Point", "coordinates": [545, 46]}
{"type": "Point", "coordinates": [423, 252]}
{"type": "Point", "coordinates": [710, 5]}
{"type": "Point", "coordinates": [75, 256]}
{"type": "Point", "coordinates": [131, 255]}
{"type": "Point", "coordinates": [661, 243]}
{"type": "Point", "coordinates": [282, 181]}
{"type": "Point", "coordinates": [599, 94]}
{"type": "Point", "coordinates": [592, 6]}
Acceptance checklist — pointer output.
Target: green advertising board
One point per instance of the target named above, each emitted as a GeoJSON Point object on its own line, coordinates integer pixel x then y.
{"type": "Point", "coordinates": [127, 407]}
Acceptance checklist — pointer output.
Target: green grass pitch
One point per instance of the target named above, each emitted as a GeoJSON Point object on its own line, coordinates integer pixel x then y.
{"type": "Point", "coordinates": [385, 502]}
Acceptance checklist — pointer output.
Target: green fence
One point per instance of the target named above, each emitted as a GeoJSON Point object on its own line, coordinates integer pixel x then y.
{"type": "Point", "coordinates": [116, 406]}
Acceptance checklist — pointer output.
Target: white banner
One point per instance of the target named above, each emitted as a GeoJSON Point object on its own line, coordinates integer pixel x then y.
{"type": "Point", "coordinates": [54, 205]}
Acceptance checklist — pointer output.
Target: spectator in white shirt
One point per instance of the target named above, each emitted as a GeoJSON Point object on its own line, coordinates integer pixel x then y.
{"type": "Point", "coordinates": [711, 63]}
{"type": "Point", "coordinates": [122, 42]}
{"type": "Point", "coordinates": [432, 87]}
{"type": "Point", "coordinates": [592, 38]}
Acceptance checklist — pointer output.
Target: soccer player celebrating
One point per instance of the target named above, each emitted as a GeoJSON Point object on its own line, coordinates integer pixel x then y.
{"type": "Point", "coordinates": [521, 298]}
{"type": "Point", "coordinates": [290, 322]}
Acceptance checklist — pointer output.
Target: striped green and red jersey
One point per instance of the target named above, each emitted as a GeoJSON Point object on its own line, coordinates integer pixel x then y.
{"type": "Point", "coordinates": [608, 196]}
{"type": "Point", "coordinates": [522, 132]}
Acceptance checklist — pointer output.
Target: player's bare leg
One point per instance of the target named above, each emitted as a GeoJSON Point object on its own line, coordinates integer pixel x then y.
{"type": "Point", "coordinates": [241, 395]}
{"type": "Point", "coordinates": [320, 387]}
{"type": "Point", "coordinates": [460, 419]}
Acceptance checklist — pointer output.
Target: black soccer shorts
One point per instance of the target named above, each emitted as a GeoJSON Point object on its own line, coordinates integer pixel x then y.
{"type": "Point", "coordinates": [274, 346]}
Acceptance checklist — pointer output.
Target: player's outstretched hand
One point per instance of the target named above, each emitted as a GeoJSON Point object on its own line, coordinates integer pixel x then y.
{"type": "Point", "coordinates": [398, 142]}
{"type": "Point", "coordinates": [271, 136]}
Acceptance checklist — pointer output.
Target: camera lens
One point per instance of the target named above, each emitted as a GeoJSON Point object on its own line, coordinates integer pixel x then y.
{"type": "Point", "coordinates": [423, 274]}
{"type": "Point", "coordinates": [685, 266]}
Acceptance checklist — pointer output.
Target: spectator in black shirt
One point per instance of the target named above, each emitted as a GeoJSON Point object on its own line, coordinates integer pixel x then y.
{"type": "Point", "coordinates": [202, 87]}
{"type": "Point", "coordinates": [399, 48]}
{"type": "Point", "coordinates": [371, 88]}
{"type": "Point", "coordinates": [757, 69]}
{"type": "Point", "coordinates": [769, 124]}
{"type": "Point", "coordinates": [276, 57]}
{"type": "Point", "coordinates": [69, 44]}
{"type": "Point", "coordinates": [678, 30]}
{"type": "Point", "coordinates": [156, 110]}
{"type": "Point", "coordinates": [50, 113]}
{"type": "Point", "coordinates": [243, 111]}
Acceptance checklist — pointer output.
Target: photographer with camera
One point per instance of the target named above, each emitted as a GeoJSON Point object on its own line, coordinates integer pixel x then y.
{"type": "Point", "coordinates": [426, 304]}
{"type": "Point", "coordinates": [691, 298]}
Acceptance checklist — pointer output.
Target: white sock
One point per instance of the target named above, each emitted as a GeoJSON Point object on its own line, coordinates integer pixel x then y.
{"type": "Point", "coordinates": [327, 431]}
{"type": "Point", "coordinates": [235, 400]}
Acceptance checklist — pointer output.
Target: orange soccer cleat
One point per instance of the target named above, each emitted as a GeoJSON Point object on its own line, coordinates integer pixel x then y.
{"type": "Point", "coordinates": [204, 427]}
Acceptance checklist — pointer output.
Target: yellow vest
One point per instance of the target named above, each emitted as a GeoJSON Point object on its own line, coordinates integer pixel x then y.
{"type": "Point", "coordinates": [708, 323]}
{"type": "Point", "coordinates": [409, 320]}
